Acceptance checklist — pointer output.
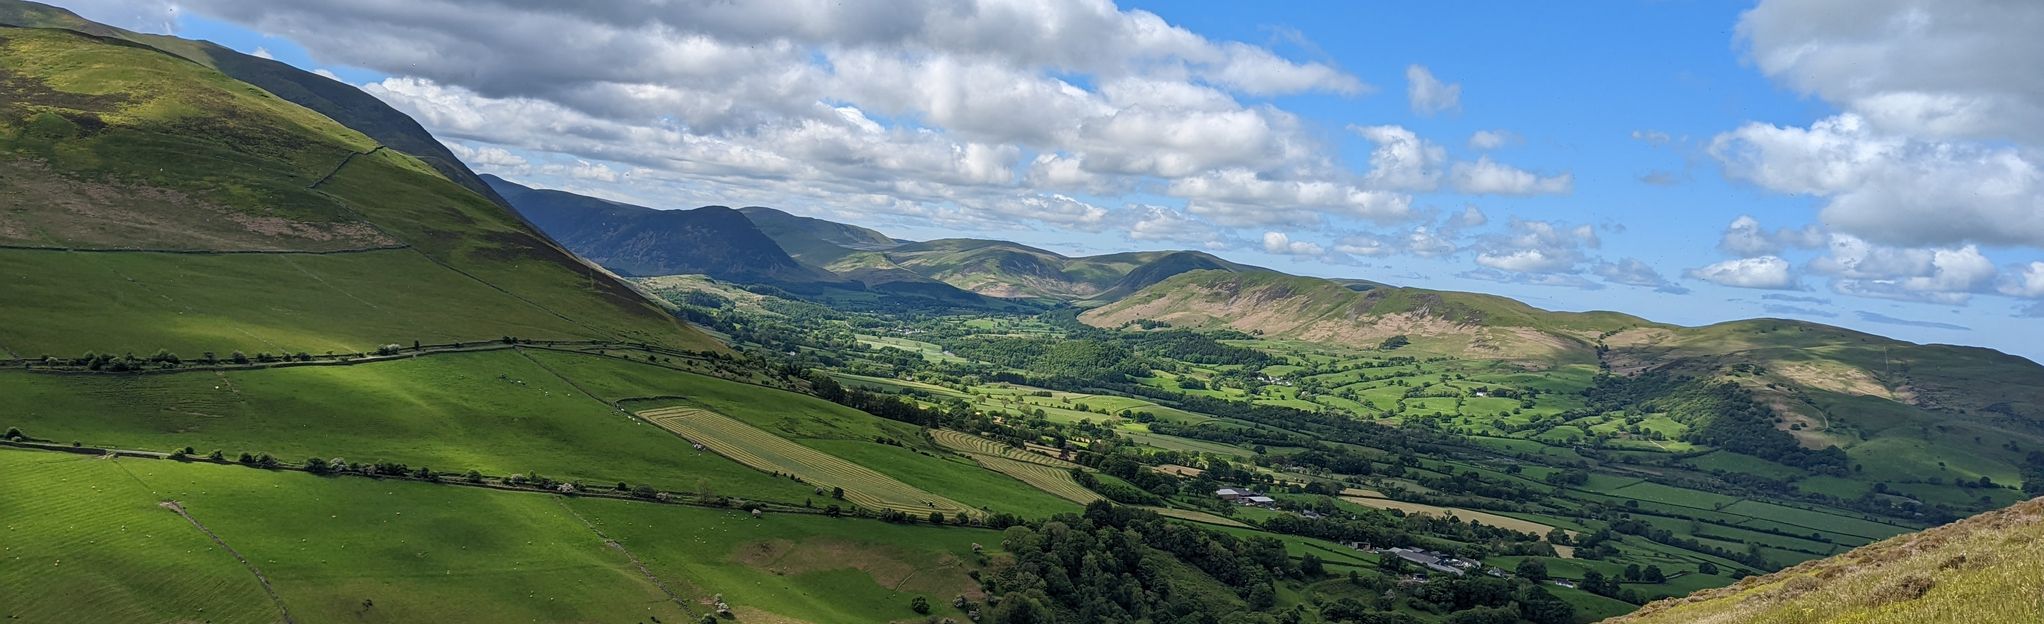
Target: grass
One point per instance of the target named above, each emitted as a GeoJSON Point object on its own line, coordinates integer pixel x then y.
{"type": "Point", "coordinates": [801, 568]}
{"type": "Point", "coordinates": [79, 532]}
{"type": "Point", "coordinates": [958, 478]}
{"type": "Point", "coordinates": [1983, 569]}
{"type": "Point", "coordinates": [820, 425]}
{"type": "Point", "coordinates": [755, 447]}
{"type": "Point", "coordinates": [156, 124]}
{"type": "Point", "coordinates": [496, 412]}
{"type": "Point", "coordinates": [421, 552]}
{"type": "Point", "coordinates": [65, 303]}
{"type": "Point", "coordinates": [1467, 515]}
{"type": "Point", "coordinates": [929, 351]}
{"type": "Point", "coordinates": [1818, 520]}
{"type": "Point", "coordinates": [1043, 472]}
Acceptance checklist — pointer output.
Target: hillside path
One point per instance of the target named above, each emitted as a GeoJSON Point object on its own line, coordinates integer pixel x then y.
{"type": "Point", "coordinates": [252, 569]}
{"type": "Point", "coordinates": [643, 570]}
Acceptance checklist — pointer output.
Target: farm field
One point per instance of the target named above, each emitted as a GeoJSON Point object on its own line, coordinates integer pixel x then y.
{"type": "Point", "coordinates": [928, 351]}
{"type": "Point", "coordinates": [768, 452]}
{"type": "Point", "coordinates": [1043, 472]}
{"type": "Point", "coordinates": [496, 412]}
{"type": "Point", "coordinates": [802, 568]}
{"type": "Point", "coordinates": [1468, 515]}
{"type": "Point", "coordinates": [398, 545]}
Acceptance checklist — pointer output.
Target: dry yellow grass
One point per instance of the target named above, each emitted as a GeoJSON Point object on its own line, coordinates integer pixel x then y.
{"type": "Point", "coordinates": [1467, 515]}
{"type": "Point", "coordinates": [1985, 569]}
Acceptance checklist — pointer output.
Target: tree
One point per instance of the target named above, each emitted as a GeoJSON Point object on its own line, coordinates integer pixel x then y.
{"type": "Point", "coordinates": [14, 433]}
{"type": "Point", "coordinates": [837, 493]}
{"type": "Point", "coordinates": [1310, 566]}
{"type": "Point", "coordinates": [1016, 608]}
{"type": "Point", "coordinates": [1653, 574]}
{"type": "Point", "coordinates": [1707, 568]}
{"type": "Point", "coordinates": [1532, 569]}
{"type": "Point", "coordinates": [1541, 607]}
{"type": "Point", "coordinates": [920, 605]}
{"type": "Point", "coordinates": [1485, 615]}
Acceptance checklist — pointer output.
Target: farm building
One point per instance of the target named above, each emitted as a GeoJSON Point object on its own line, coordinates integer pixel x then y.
{"type": "Point", "coordinates": [1229, 494]}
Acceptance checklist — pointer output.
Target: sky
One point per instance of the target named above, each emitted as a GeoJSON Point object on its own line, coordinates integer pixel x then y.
{"type": "Point", "coordinates": [1873, 164]}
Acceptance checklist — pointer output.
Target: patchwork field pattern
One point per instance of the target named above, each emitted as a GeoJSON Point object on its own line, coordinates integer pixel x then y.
{"type": "Point", "coordinates": [765, 451]}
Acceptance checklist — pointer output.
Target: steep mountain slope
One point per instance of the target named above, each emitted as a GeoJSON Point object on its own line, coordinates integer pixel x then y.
{"type": "Point", "coordinates": [150, 202]}
{"type": "Point", "coordinates": [1164, 267]}
{"type": "Point", "coordinates": [1284, 306]}
{"type": "Point", "coordinates": [1012, 270]}
{"type": "Point", "coordinates": [814, 240]}
{"type": "Point", "coordinates": [635, 240]}
{"type": "Point", "coordinates": [1988, 568]}
{"type": "Point", "coordinates": [336, 100]}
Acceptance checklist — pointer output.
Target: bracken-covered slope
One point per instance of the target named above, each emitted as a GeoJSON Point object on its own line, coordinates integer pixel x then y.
{"type": "Point", "coordinates": [148, 201]}
{"type": "Point", "coordinates": [1276, 305]}
{"type": "Point", "coordinates": [636, 240]}
{"type": "Point", "coordinates": [1984, 569]}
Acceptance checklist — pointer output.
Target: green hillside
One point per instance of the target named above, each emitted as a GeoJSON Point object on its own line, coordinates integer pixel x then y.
{"type": "Point", "coordinates": [272, 228]}
{"type": "Point", "coordinates": [326, 96]}
{"type": "Point", "coordinates": [1285, 306]}
{"type": "Point", "coordinates": [1982, 569]}
{"type": "Point", "coordinates": [813, 240]}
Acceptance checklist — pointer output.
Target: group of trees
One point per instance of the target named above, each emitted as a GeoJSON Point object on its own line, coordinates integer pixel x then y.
{"type": "Point", "coordinates": [1719, 413]}
{"type": "Point", "coordinates": [1119, 564]}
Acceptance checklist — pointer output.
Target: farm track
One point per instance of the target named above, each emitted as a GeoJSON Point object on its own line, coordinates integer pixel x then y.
{"type": "Point", "coordinates": [282, 610]}
{"type": "Point", "coordinates": [766, 451]}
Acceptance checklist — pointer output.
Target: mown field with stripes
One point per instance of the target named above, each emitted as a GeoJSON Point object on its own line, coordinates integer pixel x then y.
{"type": "Point", "coordinates": [1045, 473]}
{"type": "Point", "coordinates": [763, 450]}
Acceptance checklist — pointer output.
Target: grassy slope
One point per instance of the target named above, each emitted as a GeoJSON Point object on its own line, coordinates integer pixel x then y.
{"type": "Point", "coordinates": [80, 532]}
{"type": "Point", "coordinates": [1983, 569]}
{"type": "Point", "coordinates": [496, 412]}
{"type": "Point", "coordinates": [818, 424]}
{"type": "Point", "coordinates": [418, 552]}
{"type": "Point", "coordinates": [123, 114]}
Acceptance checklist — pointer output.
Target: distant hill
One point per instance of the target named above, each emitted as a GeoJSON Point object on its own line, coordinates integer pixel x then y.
{"type": "Point", "coordinates": [152, 201]}
{"type": "Point", "coordinates": [1286, 306]}
{"type": "Point", "coordinates": [1988, 568]}
{"type": "Point", "coordinates": [1016, 271]}
{"type": "Point", "coordinates": [640, 241]}
{"type": "Point", "coordinates": [1899, 411]}
{"type": "Point", "coordinates": [814, 240]}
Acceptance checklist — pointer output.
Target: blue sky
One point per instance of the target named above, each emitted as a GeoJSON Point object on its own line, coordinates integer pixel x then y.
{"type": "Point", "coordinates": [1885, 153]}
